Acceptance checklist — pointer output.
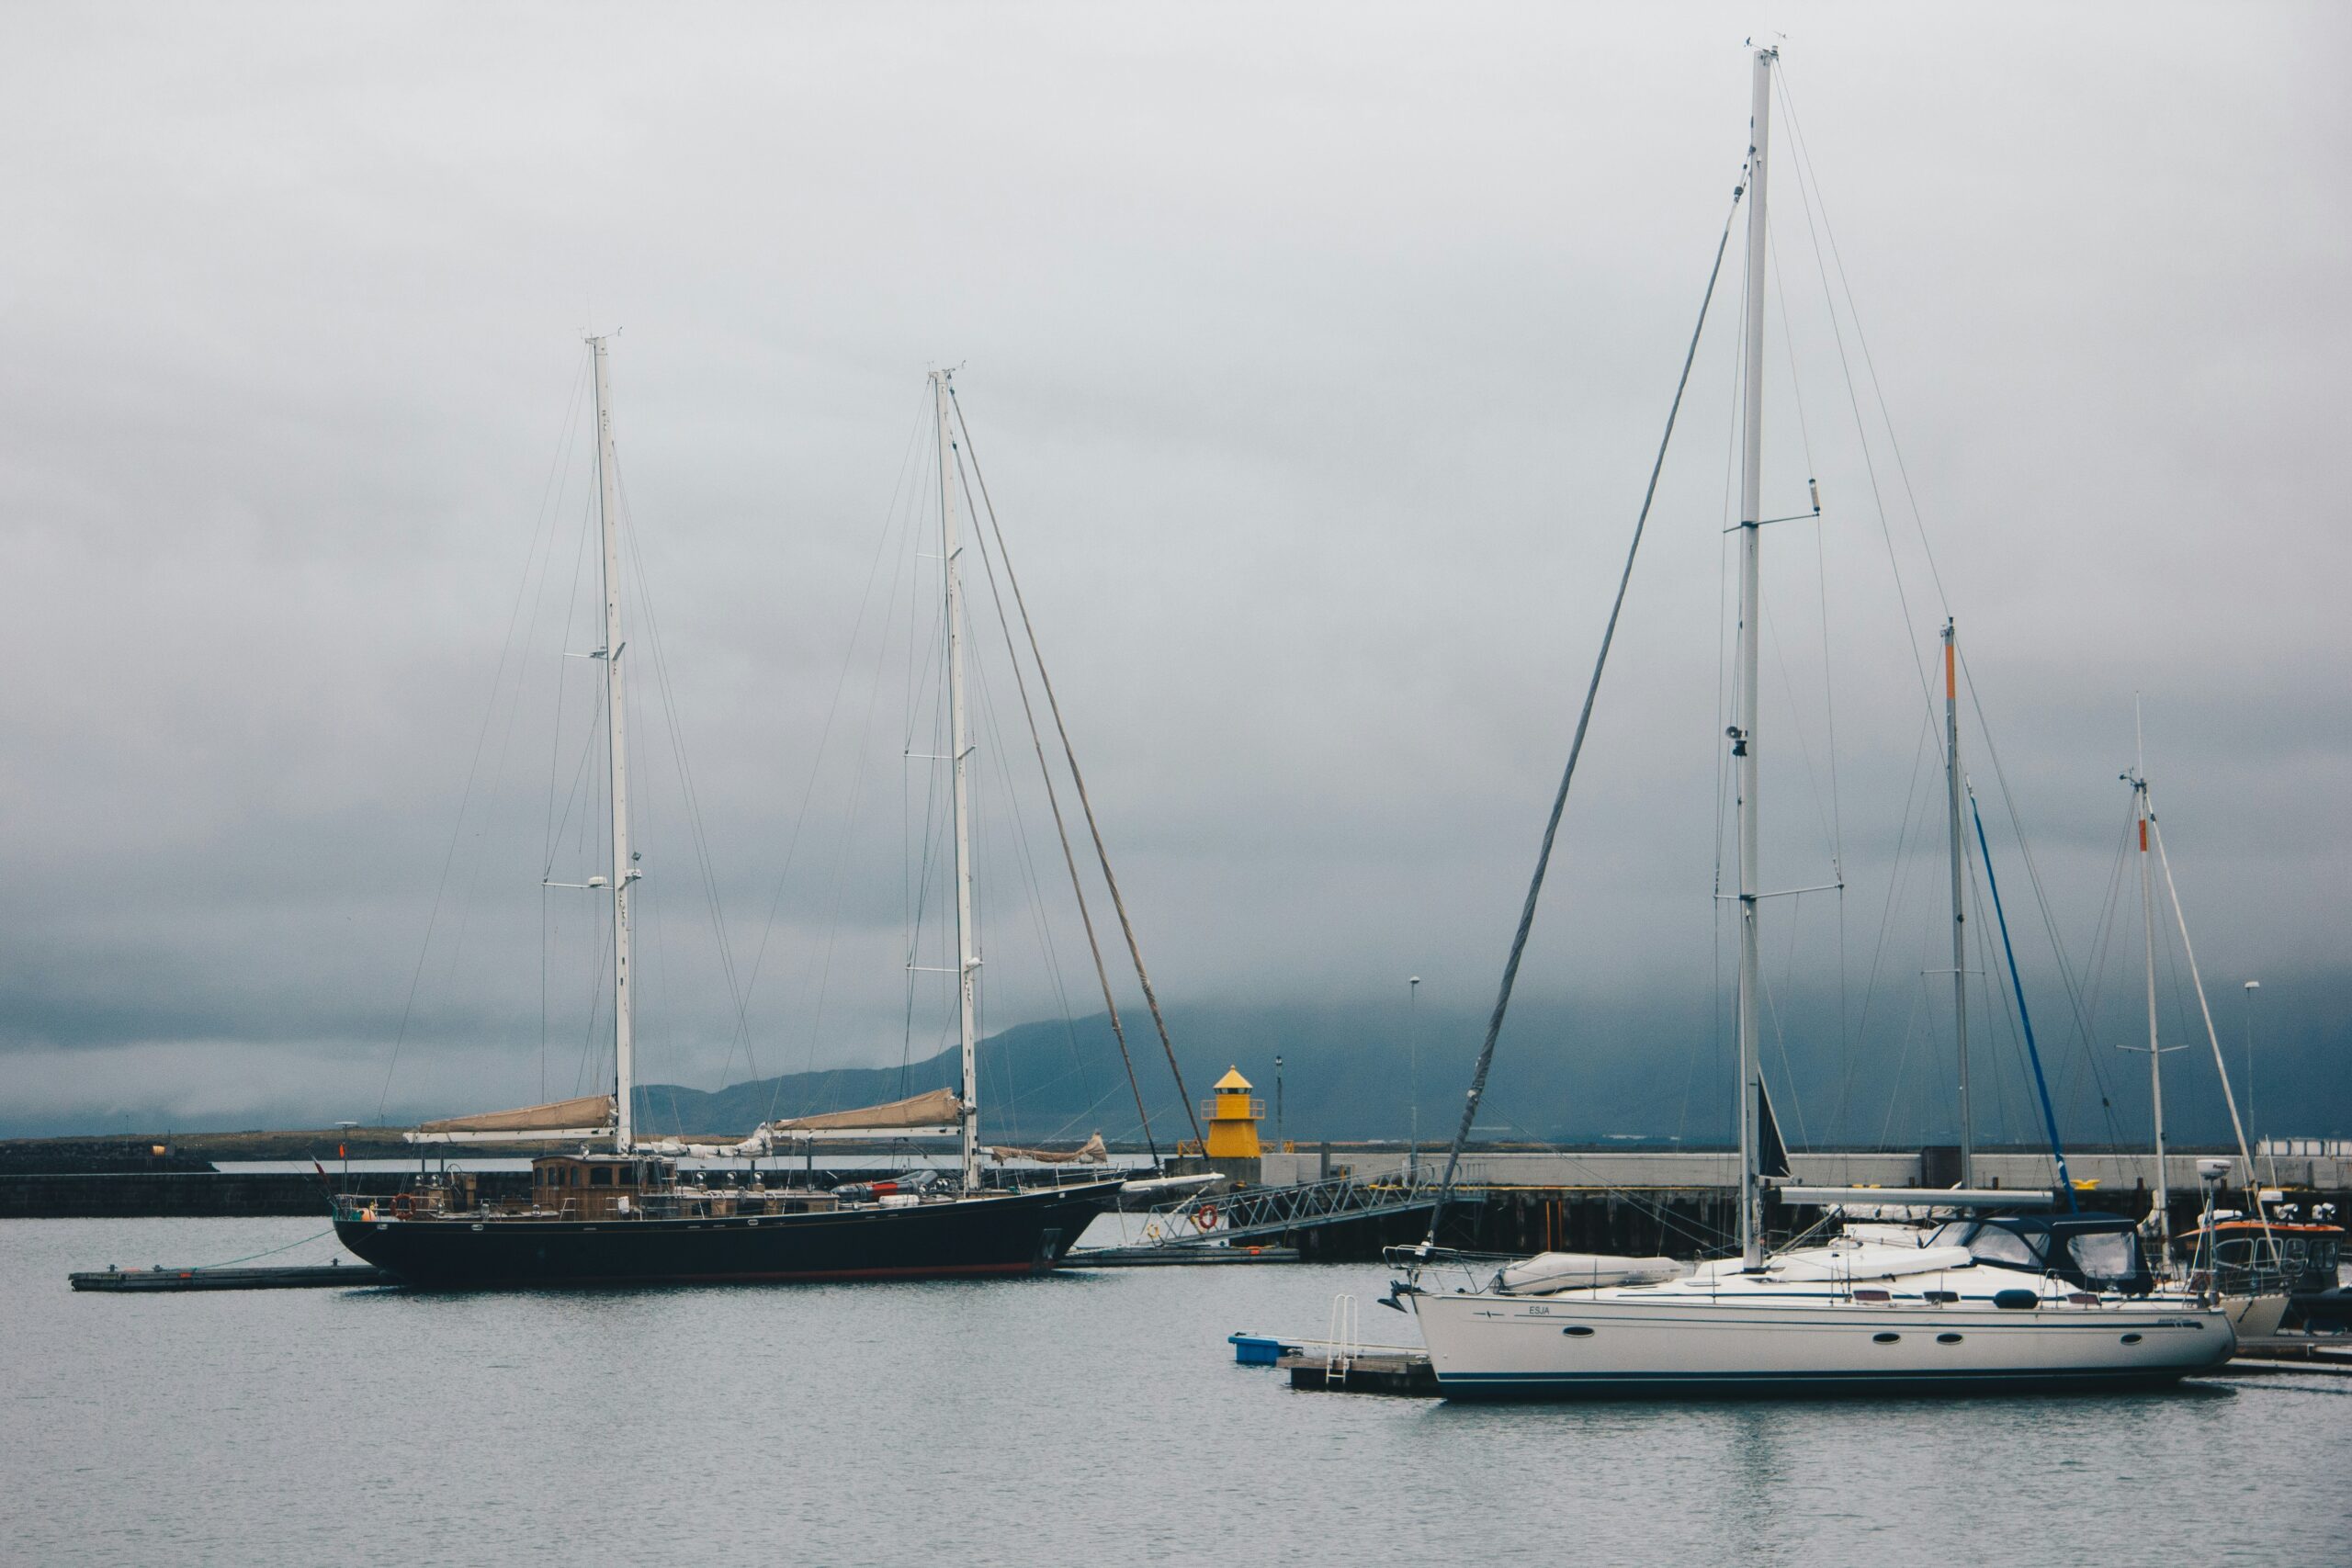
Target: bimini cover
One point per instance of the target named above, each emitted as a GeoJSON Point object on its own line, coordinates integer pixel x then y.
{"type": "Point", "coordinates": [593, 1111]}
{"type": "Point", "coordinates": [1568, 1270]}
{"type": "Point", "coordinates": [940, 1107]}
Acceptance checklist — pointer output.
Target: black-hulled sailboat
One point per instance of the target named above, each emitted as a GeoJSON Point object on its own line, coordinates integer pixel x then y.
{"type": "Point", "coordinates": [622, 1215]}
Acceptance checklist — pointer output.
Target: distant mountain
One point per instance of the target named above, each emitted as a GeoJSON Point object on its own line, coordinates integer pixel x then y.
{"type": "Point", "coordinates": [1565, 1072]}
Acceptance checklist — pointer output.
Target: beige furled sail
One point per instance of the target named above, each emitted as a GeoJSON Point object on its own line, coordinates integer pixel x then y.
{"type": "Point", "coordinates": [936, 1114]}
{"type": "Point", "coordinates": [589, 1116]}
{"type": "Point", "coordinates": [1090, 1151]}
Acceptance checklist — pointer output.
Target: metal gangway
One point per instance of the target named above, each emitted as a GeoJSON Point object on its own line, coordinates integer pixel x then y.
{"type": "Point", "coordinates": [1264, 1214]}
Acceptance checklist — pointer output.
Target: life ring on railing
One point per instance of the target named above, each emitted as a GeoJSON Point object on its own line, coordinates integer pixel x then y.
{"type": "Point", "coordinates": [400, 1206]}
{"type": "Point", "coordinates": [1151, 1231]}
{"type": "Point", "coordinates": [1205, 1216]}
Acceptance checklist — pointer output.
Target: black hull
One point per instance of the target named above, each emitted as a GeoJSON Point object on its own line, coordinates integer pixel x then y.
{"type": "Point", "coordinates": [1026, 1232]}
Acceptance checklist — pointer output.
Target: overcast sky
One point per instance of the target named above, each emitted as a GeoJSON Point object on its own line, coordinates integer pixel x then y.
{"type": "Point", "coordinates": [1316, 357]}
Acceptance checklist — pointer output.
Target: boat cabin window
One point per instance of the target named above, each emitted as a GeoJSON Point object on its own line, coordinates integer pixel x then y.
{"type": "Point", "coordinates": [600, 1175]}
{"type": "Point", "coordinates": [1988, 1243]}
{"type": "Point", "coordinates": [2104, 1254]}
{"type": "Point", "coordinates": [1994, 1244]}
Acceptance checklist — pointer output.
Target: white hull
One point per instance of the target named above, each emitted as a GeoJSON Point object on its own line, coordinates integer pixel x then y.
{"type": "Point", "coordinates": [1725, 1334]}
{"type": "Point", "coordinates": [2255, 1317]}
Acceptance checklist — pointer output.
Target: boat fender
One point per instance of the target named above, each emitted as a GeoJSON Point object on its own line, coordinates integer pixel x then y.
{"type": "Point", "coordinates": [2016, 1299]}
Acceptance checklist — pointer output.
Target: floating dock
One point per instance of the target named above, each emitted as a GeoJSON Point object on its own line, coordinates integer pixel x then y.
{"type": "Point", "coordinates": [1373, 1368]}
{"type": "Point", "coordinates": [330, 1277]}
{"type": "Point", "coordinates": [1175, 1256]}
{"type": "Point", "coordinates": [2328, 1354]}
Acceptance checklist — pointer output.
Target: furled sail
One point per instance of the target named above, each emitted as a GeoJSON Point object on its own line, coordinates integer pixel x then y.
{"type": "Point", "coordinates": [1772, 1158]}
{"type": "Point", "coordinates": [589, 1116]}
{"type": "Point", "coordinates": [1549, 1271]}
{"type": "Point", "coordinates": [1090, 1151]}
{"type": "Point", "coordinates": [938, 1114]}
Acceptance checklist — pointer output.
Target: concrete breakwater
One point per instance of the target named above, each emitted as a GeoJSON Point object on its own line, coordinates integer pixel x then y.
{"type": "Point", "coordinates": [80, 1195]}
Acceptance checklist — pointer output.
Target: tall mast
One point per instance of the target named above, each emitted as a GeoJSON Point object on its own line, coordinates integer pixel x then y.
{"type": "Point", "coordinates": [967, 962]}
{"type": "Point", "coordinates": [616, 750]}
{"type": "Point", "coordinates": [1743, 733]}
{"type": "Point", "coordinates": [2139, 777]}
{"type": "Point", "coordinates": [1959, 908]}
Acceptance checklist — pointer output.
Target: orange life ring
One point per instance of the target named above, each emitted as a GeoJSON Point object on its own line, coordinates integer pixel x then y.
{"type": "Point", "coordinates": [400, 1204]}
{"type": "Point", "coordinates": [1205, 1216]}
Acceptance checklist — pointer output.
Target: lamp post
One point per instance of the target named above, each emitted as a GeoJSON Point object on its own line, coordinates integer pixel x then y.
{"type": "Point", "coordinates": [2250, 987]}
{"type": "Point", "coordinates": [1413, 1073]}
{"type": "Point", "coordinates": [1279, 1142]}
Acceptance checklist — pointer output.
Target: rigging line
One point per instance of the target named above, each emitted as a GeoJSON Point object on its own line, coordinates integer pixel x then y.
{"type": "Point", "coordinates": [1061, 830]}
{"type": "Point", "coordinates": [1576, 744]}
{"type": "Point", "coordinates": [1853, 399]}
{"type": "Point", "coordinates": [1902, 1062]}
{"type": "Point", "coordinates": [543, 521]}
{"type": "Point", "coordinates": [1821, 577]}
{"type": "Point", "coordinates": [2041, 1084]}
{"type": "Point", "coordinates": [595, 1000]}
{"type": "Point", "coordinates": [1796, 726]}
{"type": "Point", "coordinates": [2110, 924]}
{"type": "Point", "coordinates": [2229, 1095]}
{"type": "Point", "coordinates": [697, 834]}
{"type": "Point", "coordinates": [1059, 833]}
{"type": "Point", "coordinates": [1780, 1036]}
{"type": "Point", "coordinates": [1998, 1001]}
{"type": "Point", "coordinates": [841, 867]}
{"type": "Point", "coordinates": [1069, 755]}
{"type": "Point", "coordinates": [555, 739]}
{"type": "Point", "coordinates": [1862, 339]}
{"type": "Point", "coordinates": [824, 738]}
{"type": "Point", "coordinates": [1895, 878]}
{"type": "Point", "coordinates": [2034, 871]}
{"type": "Point", "coordinates": [1719, 761]}
{"type": "Point", "coordinates": [1788, 345]}
{"type": "Point", "coordinates": [1026, 862]}
{"type": "Point", "coordinates": [919, 859]}
{"type": "Point", "coordinates": [1000, 756]}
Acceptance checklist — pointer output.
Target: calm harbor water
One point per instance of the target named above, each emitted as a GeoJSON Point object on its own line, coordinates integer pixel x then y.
{"type": "Point", "coordinates": [1086, 1418]}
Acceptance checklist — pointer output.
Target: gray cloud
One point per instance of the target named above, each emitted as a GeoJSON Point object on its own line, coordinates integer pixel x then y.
{"type": "Point", "coordinates": [1315, 359]}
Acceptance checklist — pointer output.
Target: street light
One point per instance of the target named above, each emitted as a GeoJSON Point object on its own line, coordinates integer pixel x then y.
{"type": "Point", "coordinates": [2250, 987]}
{"type": "Point", "coordinates": [1413, 1072]}
{"type": "Point", "coordinates": [1279, 1142]}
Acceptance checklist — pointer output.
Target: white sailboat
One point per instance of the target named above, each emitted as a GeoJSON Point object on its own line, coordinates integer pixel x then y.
{"type": "Point", "coordinates": [1991, 1303]}
{"type": "Point", "coordinates": [2254, 1290]}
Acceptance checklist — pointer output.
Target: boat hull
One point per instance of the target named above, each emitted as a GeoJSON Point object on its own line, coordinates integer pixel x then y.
{"type": "Point", "coordinates": [2256, 1316]}
{"type": "Point", "coordinates": [1016, 1233]}
{"type": "Point", "coordinates": [1486, 1347]}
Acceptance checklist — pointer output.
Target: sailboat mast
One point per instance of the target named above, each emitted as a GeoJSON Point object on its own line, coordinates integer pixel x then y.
{"type": "Point", "coordinates": [967, 962]}
{"type": "Point", "coordinates": [2148, 922]}
{"type": "Point", "coordinates": [1959, 905]}
{"type": "Point", "coordinates": [616, 752]}
{"type": "Point", "coordinates": [1743, 734]}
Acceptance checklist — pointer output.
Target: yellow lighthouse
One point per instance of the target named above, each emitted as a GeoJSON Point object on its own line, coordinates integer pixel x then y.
{"type": "Point", "coordinates": [1233, 1119]}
